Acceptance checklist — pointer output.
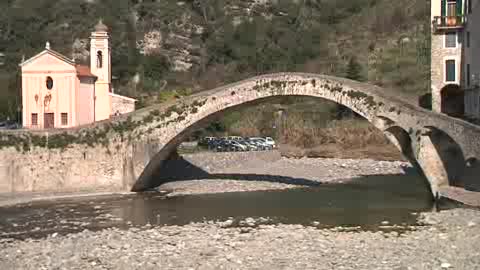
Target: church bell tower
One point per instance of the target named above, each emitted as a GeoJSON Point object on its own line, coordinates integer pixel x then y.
{"type": "Point", "coordinates": [100, 66]}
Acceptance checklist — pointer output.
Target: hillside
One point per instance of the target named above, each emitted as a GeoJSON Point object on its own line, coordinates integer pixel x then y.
{"type": "Point", "coordinates": [163, 49]}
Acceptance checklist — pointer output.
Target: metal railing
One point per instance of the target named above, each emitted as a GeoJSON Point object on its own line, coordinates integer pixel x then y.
{"type": "Point", "coordinates": [448, 22]}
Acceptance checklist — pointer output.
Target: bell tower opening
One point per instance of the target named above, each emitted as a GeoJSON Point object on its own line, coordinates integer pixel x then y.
{"type": "Point", "coordinates": [99, 59]}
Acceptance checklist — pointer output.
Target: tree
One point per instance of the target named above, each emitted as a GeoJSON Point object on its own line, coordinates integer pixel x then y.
{"type": "Point", "coordinates": [354, 70]}
{"type": "Point", "coordinates": [155, 66]}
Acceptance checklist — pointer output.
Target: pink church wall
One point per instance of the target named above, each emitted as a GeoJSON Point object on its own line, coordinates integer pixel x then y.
{"type": "Point", "coordinates": [103, 102]}
{"type": "Point", "coordinates": [38, 99]}
{"type": "Point", "coordinates": [85, 100]}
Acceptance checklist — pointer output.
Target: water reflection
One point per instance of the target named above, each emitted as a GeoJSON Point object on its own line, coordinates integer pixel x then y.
{"type": "Point", "coordinates": [366, 203]}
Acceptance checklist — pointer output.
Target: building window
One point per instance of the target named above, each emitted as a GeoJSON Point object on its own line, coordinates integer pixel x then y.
{"type": "Point", "coordinates": [34, 119]}
{"type": "Point", "coordinates": [450, 71]}
{"type": "Point", "coordinates": [469, 6]}
{"type": "Point", "coordinates": [49, 83]}
{"type": "Point", "coordinates": [451, 40]}
{"type": "Point", "coordinates": [468, 75]}
{"type": "Point", "coordinates": [64, 118]}
{"type": "Point", "coordinates": [99, 59]}
{"type": "Point", "coordinates": [468, 39]}
{"type": "Point", "coordinates": [452, 8]}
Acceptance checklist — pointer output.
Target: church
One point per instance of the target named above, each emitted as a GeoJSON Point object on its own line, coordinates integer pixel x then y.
{"type": "Point", "coordinates": [59, 93]}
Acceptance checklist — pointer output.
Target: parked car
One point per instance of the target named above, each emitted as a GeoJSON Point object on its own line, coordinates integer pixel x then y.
{"type": "Point", "coordinates": [213, 144]}
{"type": "Point", "coordinates": [205, 142]}
{"type": "Point", "coordinates": [237, 143]}
{"type": "Point", "coordinates": [237, 146]}
{"type": "Point", "coordinates": [9, 125]}
{"type": "Point", "coordinates": [261, 143]}
{"type": "Point", "coordinates": [224, 146]}
{"type": "Point", "coordinates": [251, 146]}
{"type": "Point", "coordinates": [270, 141]}
{"type": "Point", "coordinates": [235, 138]}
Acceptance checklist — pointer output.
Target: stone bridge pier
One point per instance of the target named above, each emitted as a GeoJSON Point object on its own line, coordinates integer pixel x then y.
{"type": "Point", "coordinates": [129, 152]}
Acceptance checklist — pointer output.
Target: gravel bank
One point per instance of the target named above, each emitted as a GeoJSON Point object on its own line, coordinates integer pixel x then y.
{"type": "Point", "coordinates": [254, 171]}
{"type": "Point", "coordinates": [450, 241]}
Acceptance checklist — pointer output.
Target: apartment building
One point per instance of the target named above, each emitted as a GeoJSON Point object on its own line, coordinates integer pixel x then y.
{"type": "Point", "coordinates": [472, 61]}
{"type": "Point", "coordinates": [455, 55]}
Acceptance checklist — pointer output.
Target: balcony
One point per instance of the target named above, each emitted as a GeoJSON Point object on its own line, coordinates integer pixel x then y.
{"type": "Point", "coordinates": [446, 23]}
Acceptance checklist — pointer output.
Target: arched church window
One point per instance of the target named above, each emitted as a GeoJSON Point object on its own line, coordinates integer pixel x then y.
{"type": "Point", "coordinates": [99, 59]}
{"type": "Point", "coordinates": [49, 83]}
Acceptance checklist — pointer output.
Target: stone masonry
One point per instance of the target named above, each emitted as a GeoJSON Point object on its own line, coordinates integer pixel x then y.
{"type": "Point", "coordinates": [127, 153]}
{"type": "Point", "coordinates": [439, 55]}
{"type": "Point", "coordinates": [122, 105]}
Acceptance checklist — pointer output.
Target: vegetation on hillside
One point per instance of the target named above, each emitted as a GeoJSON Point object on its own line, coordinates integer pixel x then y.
{"type": "Point", "coordinates": [201, 44]}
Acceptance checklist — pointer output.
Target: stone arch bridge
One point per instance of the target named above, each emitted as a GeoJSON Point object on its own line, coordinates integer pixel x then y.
{"type": "Point", "coordinates": [124, 154]}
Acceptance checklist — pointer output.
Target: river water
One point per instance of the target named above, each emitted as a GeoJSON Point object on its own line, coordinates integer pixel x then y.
{"type": "Point", "coordinates": [358, 204]}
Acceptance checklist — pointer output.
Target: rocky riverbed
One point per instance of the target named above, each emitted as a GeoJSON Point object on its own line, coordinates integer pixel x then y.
{"type": "Point", "coordinates": [253, 171]}
{"type": "Point", "coordinates": [448, 240]}
{"type": "Point", "coordinates": [440, 240]}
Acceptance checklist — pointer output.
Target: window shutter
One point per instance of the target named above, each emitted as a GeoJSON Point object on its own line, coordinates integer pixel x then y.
{"type": "Point", "coordinates": [450, 75]}
{"type": "Point", "coordinates": [459, 8]}
{"type": "Point", "coordinates": [444, 7]}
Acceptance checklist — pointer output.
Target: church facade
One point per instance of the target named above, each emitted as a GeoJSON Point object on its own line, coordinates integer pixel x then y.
{"type": "Point", "coordinates": [58, 93]}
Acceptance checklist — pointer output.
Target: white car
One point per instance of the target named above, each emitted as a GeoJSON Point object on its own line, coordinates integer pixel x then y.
{"type": "Point", "coordinates": [270, 141]}
{"type": "Point", "coordinates": [261, 143]}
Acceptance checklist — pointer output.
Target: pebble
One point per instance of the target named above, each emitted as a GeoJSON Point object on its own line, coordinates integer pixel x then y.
{"type": "Point", "coordinates": [218, 245]}
{"type": "Point", "coordinates": [445, 265]}
{"type": "Point", "coordinates": [264, 163]}
{"type": "Point", "coordinates": [267, 247]}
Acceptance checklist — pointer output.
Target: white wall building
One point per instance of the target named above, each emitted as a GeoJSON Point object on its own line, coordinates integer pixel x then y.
{"type": "Point", "coordinates": [455, 55]}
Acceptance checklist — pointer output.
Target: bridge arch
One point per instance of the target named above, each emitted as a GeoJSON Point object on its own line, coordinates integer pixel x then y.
{"type": "Point", "coordinates": [401, 139]}
{"type": "Point", "coordinates": [441, 157]}
{"type": "Point", "coordinates": [364, 99]}
{"type": "Point", "coordinates": [117, 154]}
{"type": "Point", "coordinates": [452, 100]}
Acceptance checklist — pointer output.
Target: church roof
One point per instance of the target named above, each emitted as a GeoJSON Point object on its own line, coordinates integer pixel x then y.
{"type": "Point", "coordinates": [84, 71]}
{"type": "Point", "coordinates": [48, 50]}
{"type": "Point", "coordinates": [100, 27]}
{"type": "Point", "coordinates": [122, 97]}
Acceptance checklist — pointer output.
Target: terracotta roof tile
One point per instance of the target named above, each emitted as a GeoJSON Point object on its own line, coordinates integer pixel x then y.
{"type": "Point", "coordinates": [84, 71]}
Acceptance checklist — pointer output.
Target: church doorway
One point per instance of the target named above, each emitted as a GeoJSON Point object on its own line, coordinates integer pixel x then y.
{"type": "Point", "coordinates": [453, 101]}
{"type": "Point", "coordinates": [49, 120]}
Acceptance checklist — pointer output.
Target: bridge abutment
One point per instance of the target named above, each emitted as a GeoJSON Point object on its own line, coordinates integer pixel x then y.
{"type": "Point", "coordinates": [431, 164]}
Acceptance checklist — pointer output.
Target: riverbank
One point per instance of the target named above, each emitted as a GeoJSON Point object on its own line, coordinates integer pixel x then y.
{"type": "Point", "coordinates": [209, 172]}
{"type": "Point", "coordinates": [441, 240]}
{"type": "Point", "coordinates": [449, 240]}
{"type": "Point", "coordinates": [10, 199]}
